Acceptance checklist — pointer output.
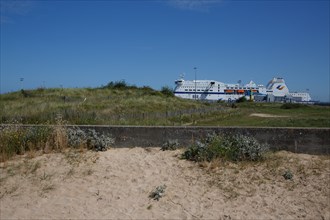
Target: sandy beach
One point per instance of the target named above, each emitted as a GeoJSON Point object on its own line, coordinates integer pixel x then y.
{"type": "Point", "coordinates": [116, 184]}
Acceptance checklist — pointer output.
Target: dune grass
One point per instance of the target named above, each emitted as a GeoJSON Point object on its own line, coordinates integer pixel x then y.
{"type": "Point", "coordinates": [242, 115]}
{"type": "Point", "coordinates": [88, 106]}
{"type": "Point", "coordinates": [120, 104]}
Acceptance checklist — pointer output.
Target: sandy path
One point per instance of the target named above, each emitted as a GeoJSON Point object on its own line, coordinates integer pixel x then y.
{"type": "Point", "coordinates": [116, 185]}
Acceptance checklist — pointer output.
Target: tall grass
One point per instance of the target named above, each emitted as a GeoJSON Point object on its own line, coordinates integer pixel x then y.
{"type": "Point", "coordinates": [106, 105]}
{"type": "Point", "coordinates": [16, 139]}
{"type": "Point", "coordinates": [120, 104]}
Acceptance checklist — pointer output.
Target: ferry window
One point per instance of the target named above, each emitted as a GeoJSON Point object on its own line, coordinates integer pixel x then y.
{"type": "Point", "coordinates": [190, 90]}
{"type": "Point", "coordinates": [198, 90]}
{"type": "Point", "coordinates": [186, 90]}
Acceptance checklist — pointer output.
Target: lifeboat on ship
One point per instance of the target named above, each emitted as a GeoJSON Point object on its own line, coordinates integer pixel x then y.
{"type": "Point", "coordinates": [229, 91]}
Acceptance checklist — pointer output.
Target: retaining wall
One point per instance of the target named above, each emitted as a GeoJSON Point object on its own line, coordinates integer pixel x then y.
{"type": "Point", "coordinates": [298, 140]}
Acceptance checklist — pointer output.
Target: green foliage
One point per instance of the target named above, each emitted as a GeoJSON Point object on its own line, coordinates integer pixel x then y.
{"type": "Point", "coordinates": [15, 139]}
{"type": "Point", "coordinates": [158, 192]}
{"type": "Point", "coordinates": [98, 142]}
{"type": "Point", "coordinates": [232, 147]}
{"type": "Point", "coordinates": [288, 175]}
{"type": "Point", "coordinates": [167, 91]}
{"type": "Point", "coordinates": [117, 85]}
{"type": "Point", "coordinates": [91, 139]}
{"type": "Point", "coordinates": [170, 145]}
{"type": "Point", "coordinates": [149, 91]}
{"type": "Point", "coordinates": [76, 137]}
{"type": "Point", "coordinates": [241, 99]}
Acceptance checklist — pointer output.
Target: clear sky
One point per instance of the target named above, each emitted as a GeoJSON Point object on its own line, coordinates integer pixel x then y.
{"type": "Point", "coordinates": [151, 42]}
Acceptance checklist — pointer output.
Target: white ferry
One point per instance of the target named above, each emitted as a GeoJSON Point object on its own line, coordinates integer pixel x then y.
{"type": "Point", "coordinates": [276, 90]}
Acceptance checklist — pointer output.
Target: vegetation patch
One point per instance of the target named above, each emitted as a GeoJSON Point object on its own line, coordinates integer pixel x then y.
{"type": "Point", "coordinates": [17, 139]}
{"type": "Point", "coordinates": [288, 175]}
{"type": "Point", "coordinates": [232, 147]}
{"type": "Point", "coordinates": [158, 192]}
{"type": "Point", "coordinates": [170, 145]}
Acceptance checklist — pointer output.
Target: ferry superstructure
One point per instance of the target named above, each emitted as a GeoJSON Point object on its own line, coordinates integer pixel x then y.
{"type": "Point", "coordinates": [276, 90]}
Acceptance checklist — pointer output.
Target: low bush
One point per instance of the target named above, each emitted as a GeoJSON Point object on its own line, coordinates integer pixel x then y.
{"type": "Point", "coordinates": [241, 99]}
{"type": "Point", "coordinates": [158, 192]}
{"type": "Point", "coordinates": [76, 137]}
{"type": "Point", "coordinates": [232, 147]}
{"type": "Point", "coordinates": [167, 91]}
{"type": "Point", "coordinates": [288, 175]}
{"type": "Point", "coordinates": [170, 145]}
{"type": "Point", "coordinates": [98, 142]}
{"type": "Point", "coordinates": [90, 139]}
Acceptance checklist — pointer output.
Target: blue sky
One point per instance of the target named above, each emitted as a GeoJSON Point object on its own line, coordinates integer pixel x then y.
{"type": "Point", "coordinates": [90, 43]}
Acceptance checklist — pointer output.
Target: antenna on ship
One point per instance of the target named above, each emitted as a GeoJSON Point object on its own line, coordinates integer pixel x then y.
{"type": "Point", "coordinates": [195, 68]}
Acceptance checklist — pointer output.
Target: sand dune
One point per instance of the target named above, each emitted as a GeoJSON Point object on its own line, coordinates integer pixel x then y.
{"type": "Point", "coordinates": [116, 184]}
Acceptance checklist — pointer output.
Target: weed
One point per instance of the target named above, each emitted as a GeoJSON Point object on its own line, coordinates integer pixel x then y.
{"type": "Point", "coordinates": [45, 177]}
{"type": "Point", "coordinates": [59, 134]}
{"type": "Point", "coordinates": [48, 187]}
{"type": "Point", "coordinates": [158, 192]}
{"type": "Point", "coordinates": [170, 145]}
{"type": "Point", "coordinates": [288, 175]}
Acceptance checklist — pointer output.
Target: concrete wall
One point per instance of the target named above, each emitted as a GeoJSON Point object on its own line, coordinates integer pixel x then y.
{"type": "Point", "coordinates": [298, 140]}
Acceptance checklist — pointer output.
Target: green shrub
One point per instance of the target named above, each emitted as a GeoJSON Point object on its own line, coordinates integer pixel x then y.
{"type": "Point", "coordinates": [76, 137]}
{"type": "Point", "coordinates": [196, 152]}
{"type": "Point", "coordinates": [241, 99]}
{"type": "Point", "coordinates": [98, 142]}
{"type": "Point", "coordinates": [158, 192]}
{"type": "Point", "coordinates": [170, 145]}
{"type": "Point", "coordinates": [288, 175]}
{"type": "Point", "coordinates": [232, 147]}
{"type": "Point", "coordinates": [167, 91]}
{"type": "Point", "coordinates": [90, 138]}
